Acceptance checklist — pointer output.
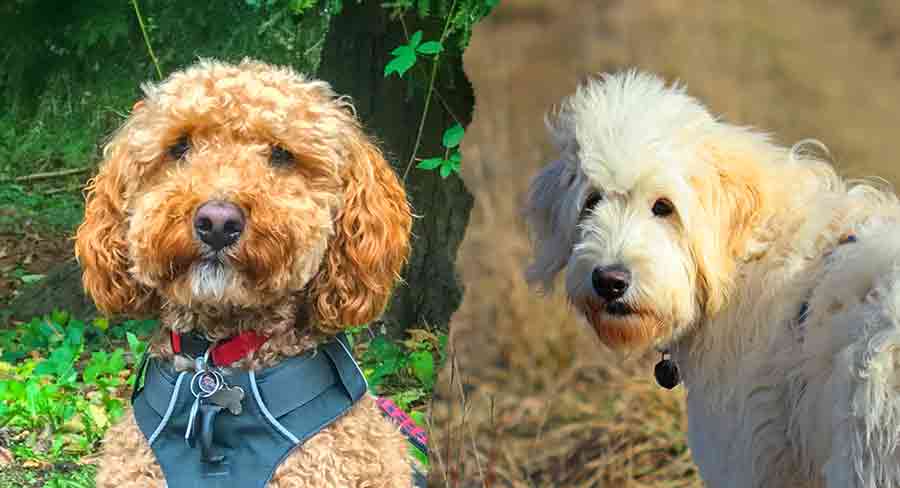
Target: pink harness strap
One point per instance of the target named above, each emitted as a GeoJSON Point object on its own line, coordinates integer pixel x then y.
{"type": "Point", "coordinates": [407, 425]}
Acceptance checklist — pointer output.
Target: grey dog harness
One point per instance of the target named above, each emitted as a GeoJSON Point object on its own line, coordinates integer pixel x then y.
{"type": "Point", "coordinates": [282, 407]}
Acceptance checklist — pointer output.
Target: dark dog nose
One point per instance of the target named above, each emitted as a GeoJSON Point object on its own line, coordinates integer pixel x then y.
{"type": "Point", "coordinates": [611, 282]}
{"type": "Point", "coordinates": [219, 224]}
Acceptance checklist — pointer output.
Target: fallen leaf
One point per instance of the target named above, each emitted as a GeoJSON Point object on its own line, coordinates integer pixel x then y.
{"type": "Point", "coordinates": [6, 457]}
{"type": "Point", "coordinates": [74, 424]}
{"type": "Point", "coordinates": [98, 414]}
{"type": "Point", "coordinates": [35, 463]}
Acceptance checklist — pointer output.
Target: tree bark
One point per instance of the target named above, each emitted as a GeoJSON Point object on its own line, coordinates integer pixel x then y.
{"type": "Point", "coordinates": [356, 50]}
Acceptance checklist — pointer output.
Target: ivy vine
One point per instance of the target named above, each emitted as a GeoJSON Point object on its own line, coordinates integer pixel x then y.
{"type": "Point", "coordinates": [459, 16]}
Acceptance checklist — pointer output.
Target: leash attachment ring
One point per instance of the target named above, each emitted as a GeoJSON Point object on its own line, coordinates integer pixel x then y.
{"type": "Point", "coordinates": [205, 383]}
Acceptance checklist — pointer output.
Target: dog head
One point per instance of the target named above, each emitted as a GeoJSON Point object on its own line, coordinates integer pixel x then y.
{"type": "Point", "coordinates": [241, 186]}
{"type": "Point", "coordinates": [649, 208]}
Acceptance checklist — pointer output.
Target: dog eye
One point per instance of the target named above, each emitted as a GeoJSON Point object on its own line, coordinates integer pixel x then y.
{"type": "Point", "coordinates": [663, 207]}
{"type": "Point", "coordinates": [180, 148]}
{"type": "Point", "coordinates": [592, 200]}
{"type": "Point", "coordinates": [280, 157]}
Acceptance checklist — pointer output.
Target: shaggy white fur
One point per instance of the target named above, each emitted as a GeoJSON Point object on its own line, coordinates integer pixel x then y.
{"type": "Point", "coordinates": [722, 237]}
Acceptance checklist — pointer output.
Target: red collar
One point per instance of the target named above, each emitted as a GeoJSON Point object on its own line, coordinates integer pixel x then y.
{"type": "Point", "coordinates": [222, 353]}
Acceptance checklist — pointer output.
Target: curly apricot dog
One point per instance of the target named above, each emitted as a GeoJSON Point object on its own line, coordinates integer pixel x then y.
{"type": "Point", "coordinates": [246, 199]}
{"type": "Point", "coordinates": [773, 283]}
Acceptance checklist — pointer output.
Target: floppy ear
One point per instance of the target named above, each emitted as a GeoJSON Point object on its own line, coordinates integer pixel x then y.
{"type": "Point", "coordinates": [100, 245]}
{"type": "Point", "coordinates": [370, 245]}
{"type": "Point", "coordinates": [552, 209]}
{"type": "Point", "coordinates": [734, 200]}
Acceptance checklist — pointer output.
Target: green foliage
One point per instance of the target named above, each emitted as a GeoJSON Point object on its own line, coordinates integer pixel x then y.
{"type": "Point", "coordinates": [60, 387]}
{"type": "Point", "coordinates": [295, 7]}
{"type": "Point", "coordinates": [75, 69]}
{"type": "Point", "coordinates": [450, 162]}
{"type": "Point", "coordinates": [63, 381]}
{"type": "Point", "coordinates": [59, 212]}
{"type": "Point", "coordinates": [79, 477]}
{"type": "Point", "coordinates": [460, 16]}
{"type": "Point", "coordinates": [403, 370]}
{"type": "Point", "coordinates": [405, 56]}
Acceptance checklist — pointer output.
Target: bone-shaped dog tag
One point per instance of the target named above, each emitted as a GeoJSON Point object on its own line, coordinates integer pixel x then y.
{"type": "Point", "coordinates": [229, 397]}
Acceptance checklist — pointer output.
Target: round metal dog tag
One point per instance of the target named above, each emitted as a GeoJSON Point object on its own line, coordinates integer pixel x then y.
{"type": "Point", "coordinates": [204, 384]}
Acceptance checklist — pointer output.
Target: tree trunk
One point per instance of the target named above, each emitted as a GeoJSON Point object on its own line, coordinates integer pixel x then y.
{"type": "Point", "coordinates": [356, 50]}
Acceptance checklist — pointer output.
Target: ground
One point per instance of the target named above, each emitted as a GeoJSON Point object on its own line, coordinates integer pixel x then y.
{"type": "Point", "coordinates": [28, 255]}
{"type": "Point", "coordinates": [536, 401]}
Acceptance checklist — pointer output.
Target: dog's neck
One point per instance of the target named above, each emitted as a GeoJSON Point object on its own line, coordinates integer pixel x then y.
{"type": "Point", "coordinates": [289, 331]}
{"type": "Point", "coordinates": [769, 290]}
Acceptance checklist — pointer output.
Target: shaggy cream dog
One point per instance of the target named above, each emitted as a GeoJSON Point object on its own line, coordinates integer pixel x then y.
{"type": "Point", "coordinates": [773, 283]}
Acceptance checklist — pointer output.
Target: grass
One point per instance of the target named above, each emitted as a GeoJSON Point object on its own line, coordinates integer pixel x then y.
{"type": "Point", "coordinates": [534, 400]}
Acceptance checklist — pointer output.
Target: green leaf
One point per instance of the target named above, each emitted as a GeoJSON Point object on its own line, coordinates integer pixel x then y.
{"type": "Point", "coordinates": [49, 330]}
{"type": "Point", "coordinates": [12, 356]}
{"type": "Point", "coordinates": [101, 323]}
{"type": "Point", "coordinates": [422, 363]}
{"type": "Point", "coordinates": [442, 344]}
{"type": "Point", "coordinates": [403, 50]}
{"type": "Point", "coordinates": [75, 332]}
{"type": "Point", "coordinates": [115, 408]}
{"type": "Point", "coordinates": [404, 60]}
{"type": "Point", "coordinates": [60, 317]}
{"type": "Point", "coordinates": [32, 278]}
{"type": "Point", "coordinates": [382, 348]}
{"type": "Point", "coordinates": [430, 163]}
{"type": "Point", "coordinates": [59, 364]}
{"type": "Point", "coordinates": [445, 171]}
{"type": "Point", "coordinates": [32, 395]}
{"type": "Point", "coordinates": [419, 455]}
{"type": "Point", "coordinates": [405, 398]}
{"type": "Point", "coordinates": [116, 361]}
{"type": "Point", "coordinates": [431, 47]}
{"type": "Point", "coordinates": [298, 7]}
{"type": "Point", "coordinates": [453, 136]}
{"type": "Point", "coordinates": [424, 8]}
{"type": "Point", "coordinates": [415, 39]}
{"type": "Point", "coordinates": [418, 417]}
{"type": "Point", "coordinates": [135, 345]}
{"type": "Point", "coordinates": [90, 373]}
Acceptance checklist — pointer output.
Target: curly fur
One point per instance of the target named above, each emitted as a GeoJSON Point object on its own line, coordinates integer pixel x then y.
{"type": "Point", "coordinates": [334, 457]}
{"type": "Point", "coordinates": [325, 239]}
{"type": "Point", "coordinates": [756, 232]}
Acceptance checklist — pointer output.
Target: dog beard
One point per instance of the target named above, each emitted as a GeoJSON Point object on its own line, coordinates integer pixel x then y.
{"type": "Point", "coordinates": [210, 279]}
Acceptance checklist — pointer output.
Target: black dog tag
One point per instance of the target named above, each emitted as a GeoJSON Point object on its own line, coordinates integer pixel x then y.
{"type": "Point", "coordinates": [666, 372]}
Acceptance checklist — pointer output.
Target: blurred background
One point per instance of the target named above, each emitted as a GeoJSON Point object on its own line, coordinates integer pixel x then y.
{"type": "Point", "coordinates": [531, 398]}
